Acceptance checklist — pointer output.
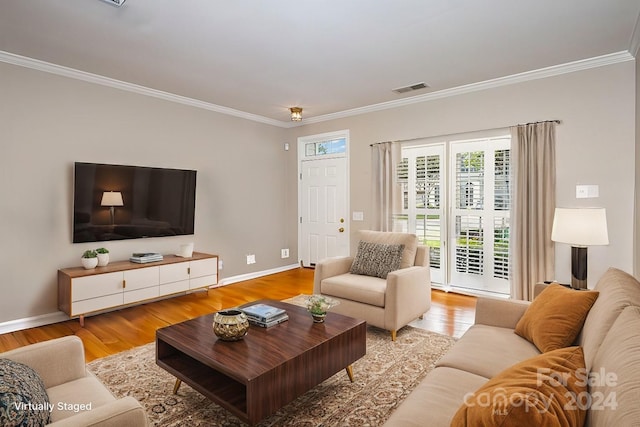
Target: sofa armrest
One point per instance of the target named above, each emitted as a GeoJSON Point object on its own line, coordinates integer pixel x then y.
{"type": "Point", "coordinates": [499, 312]}
{"type": "Point", "coordinates": [56, 361]}
{"type": "Point", "coordinates": [538, 288]}
{"type": "Point", "coordinates": [408, 295]}
{"type": "Point", "coordinates": [330, 267]}
{"type": "Point", "coordinates": [125, 412]}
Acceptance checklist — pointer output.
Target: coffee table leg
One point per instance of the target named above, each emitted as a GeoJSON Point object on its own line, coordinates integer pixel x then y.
{"type": "Point", "coordinates": [177, 386]}
{"type": "Point", "coordinates": [349, 370]}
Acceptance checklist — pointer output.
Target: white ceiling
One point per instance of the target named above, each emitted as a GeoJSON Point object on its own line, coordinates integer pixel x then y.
{"type": "Point", "coordinates": [260, 57]}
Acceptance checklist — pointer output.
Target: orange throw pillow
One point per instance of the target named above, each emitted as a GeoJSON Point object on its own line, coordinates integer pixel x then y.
{"type": "Point", "coordinates": [546, 390]}
{"type": "Point", "coordinates": [555, 317]}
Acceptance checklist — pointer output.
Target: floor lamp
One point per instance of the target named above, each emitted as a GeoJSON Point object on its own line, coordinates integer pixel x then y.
{"type": "Point", "coordinates": [580, 227]}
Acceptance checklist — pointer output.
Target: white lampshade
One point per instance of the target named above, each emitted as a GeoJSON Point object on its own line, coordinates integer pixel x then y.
{"type": "Point", "coordinates": [112, 198]}
{"type": "Point", "coordinates": [580, 226]}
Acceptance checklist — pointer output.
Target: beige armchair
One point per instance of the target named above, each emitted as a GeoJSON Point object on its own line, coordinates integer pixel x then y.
{"type": "Point", "coordinates": [61, 366]}
{"type": "Point", "coordinates": [389, 303]}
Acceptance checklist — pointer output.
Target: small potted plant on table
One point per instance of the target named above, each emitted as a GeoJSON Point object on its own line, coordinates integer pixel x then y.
{"type": "Point", "coordinates": [103, 256]}
{"type": "Point", "coordinates": [318, 305]}
{"type": "Point", "coordinates": [89, 259]}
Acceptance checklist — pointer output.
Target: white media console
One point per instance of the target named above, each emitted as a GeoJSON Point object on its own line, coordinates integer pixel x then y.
{"type": "Point", "coordinates": [122, 283]}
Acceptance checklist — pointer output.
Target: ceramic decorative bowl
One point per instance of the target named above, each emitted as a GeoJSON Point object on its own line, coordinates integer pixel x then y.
{"type": "Point", "coordinates": [230, 325]}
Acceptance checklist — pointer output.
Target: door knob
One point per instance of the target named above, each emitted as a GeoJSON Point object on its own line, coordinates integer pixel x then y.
{"type": "Point", "coordinates": [341, 229]}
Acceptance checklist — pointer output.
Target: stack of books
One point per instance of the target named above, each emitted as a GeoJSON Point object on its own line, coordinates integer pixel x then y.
{"type": "Point", "coordinates": [144, 257]}
{"type": "Point", "coordinates": [264, 315]}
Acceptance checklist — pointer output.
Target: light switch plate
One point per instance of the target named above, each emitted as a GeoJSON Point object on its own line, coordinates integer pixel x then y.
{"type": "Point", "coordinates": [587, 191]}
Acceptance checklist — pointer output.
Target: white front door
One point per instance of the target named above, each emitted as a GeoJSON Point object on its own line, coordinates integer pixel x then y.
{"type": "Point", "coordinates": [323, 204]}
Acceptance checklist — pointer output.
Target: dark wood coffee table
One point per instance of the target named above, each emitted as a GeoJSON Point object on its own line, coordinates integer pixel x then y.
{"type": "Point", "coordinates": [268, 368]}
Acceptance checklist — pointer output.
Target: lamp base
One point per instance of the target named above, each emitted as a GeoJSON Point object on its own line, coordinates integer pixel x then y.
{"type": "Point", "coordinates": [578, 267]}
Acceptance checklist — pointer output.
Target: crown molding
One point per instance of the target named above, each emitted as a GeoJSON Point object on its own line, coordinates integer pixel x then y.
{"type": "Point", "coordinates": [72, 73]}
{"type": "Point", "coordinates": [556, 70]}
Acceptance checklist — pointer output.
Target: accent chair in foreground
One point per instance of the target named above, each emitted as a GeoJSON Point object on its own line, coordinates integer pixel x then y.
{"type": "Point", "coordinates": [74, 395]}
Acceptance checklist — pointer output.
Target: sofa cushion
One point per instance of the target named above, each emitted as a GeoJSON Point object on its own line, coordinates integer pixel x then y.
{"type": "Point", "coordinates": [410, 242]}
{"type": "Point", "coordinates": [482, 341]}
{"type": "Point", "coordinates": [617, 291]}
{"type": "Point", "coordinates": [23, 398]}
{"type": "Point", "coordinates": [615, 376]}
{"type": "Point", "coordinates": [436, 399]}
{"type": "Point", "coordinates": [365, 289]}
{"type": "Point", "coordinates": [541, 391]}
{"type": "Point", "coordinates": [555, 317]}
{"type": "Point", "coordinates": [376, 259]}
{"type": "Point", "coordinates": [84, 394]}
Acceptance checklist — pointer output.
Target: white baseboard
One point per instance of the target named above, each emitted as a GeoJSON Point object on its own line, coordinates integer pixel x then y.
{"type": "Point", "coordinates": [32, 322]}
{"type": "Point", "coordinates": [256, 274]}
{"type": "Point", "coordinates": [58, 316]}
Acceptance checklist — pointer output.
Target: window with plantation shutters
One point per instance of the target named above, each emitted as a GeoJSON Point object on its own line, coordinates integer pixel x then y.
{"type": "Point", "coordinates": [456, 197]}
{"type": "Point", "coordinates": [420, 176]}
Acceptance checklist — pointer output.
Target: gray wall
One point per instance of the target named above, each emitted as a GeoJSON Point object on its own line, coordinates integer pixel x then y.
{"type": "Point", "coordinates": [49, 122]}
{"type": "Point", "coordinates": [595, 145]}
{"type": "Point", "coordinates": [247, 184]}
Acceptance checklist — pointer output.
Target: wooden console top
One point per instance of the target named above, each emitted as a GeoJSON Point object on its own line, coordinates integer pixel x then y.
{"type": "Point", "coordinates": [74, 272]}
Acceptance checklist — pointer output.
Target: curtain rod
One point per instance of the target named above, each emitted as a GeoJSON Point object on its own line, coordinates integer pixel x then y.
{"type": "Point", "coordinates": [556, 121]}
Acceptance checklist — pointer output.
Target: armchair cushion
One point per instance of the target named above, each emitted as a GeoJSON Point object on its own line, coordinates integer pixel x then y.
{"type": "Point", "coordinates": [365, 289]}
{"type": "Point", "coordinates": [376, 259]}
{"type": "Point", "coordinates": [81, 395]}
{"type": "Point", "coordinates": [23, 397]}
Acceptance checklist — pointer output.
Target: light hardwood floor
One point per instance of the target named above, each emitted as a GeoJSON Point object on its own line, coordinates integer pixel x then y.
{"type": "Point", "coordinates": [113, 332]}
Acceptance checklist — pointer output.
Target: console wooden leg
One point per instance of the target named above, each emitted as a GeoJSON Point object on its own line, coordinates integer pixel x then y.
{"type": "Point", "coordinates": [177, 386]}
{"type": "Point", "coordinates": [349, 370]}
{"type": "Point", "coordinates": [82, 320]}
{"type": "Point", "coordinates": [393, 335]}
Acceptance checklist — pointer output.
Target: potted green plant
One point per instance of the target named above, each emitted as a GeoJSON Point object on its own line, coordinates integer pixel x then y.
{"type": "Point", "coordinates": [103, 256]}
{"type": "Point", "coordinates": [89, 259]}
{"type": "Point", "coordinates": [318, 305]}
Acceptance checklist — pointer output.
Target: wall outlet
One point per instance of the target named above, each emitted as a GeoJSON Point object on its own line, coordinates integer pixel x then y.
{"type": "Point", "coordinates": [284, 253]}
{"type": "Point", "coordinates": [220, 264]}
{"type": "Point", "coordinates": [251, 259]}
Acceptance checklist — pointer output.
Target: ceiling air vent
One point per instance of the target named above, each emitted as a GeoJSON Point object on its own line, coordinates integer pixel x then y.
{"type": "Point", "coordinates": [409, 88]}
{"type": "Point", "coordinates": [116, 3]}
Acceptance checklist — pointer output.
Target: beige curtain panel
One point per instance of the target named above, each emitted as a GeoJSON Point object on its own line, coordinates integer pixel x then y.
{"type": "Point", "coordinates": [534, 201]}
{"type": "Point", "coordinates": [386, 194]}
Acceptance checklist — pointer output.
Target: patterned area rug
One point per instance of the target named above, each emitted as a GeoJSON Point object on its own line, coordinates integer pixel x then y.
{"type": "Point", "coordinates": [383, 378]}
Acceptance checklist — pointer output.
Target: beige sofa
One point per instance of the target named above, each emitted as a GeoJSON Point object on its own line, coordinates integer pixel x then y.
{"type": "Point", "coordinates": [61, 365]}
{"type": "Point", "coordinates": [389, 303]}
{"type": "Point", "coordinates": [610, 339]}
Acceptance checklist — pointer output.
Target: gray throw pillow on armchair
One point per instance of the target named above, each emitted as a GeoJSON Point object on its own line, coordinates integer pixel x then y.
{"type": "Point", "coordinates": [376, 259]}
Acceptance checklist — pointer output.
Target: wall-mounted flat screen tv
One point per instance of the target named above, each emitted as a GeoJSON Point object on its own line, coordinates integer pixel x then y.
{"type": "Point", "coordinates": [115, 202]}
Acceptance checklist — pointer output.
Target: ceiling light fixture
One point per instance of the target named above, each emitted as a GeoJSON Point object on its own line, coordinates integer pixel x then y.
{"type": "Point", "coordinates": [296, 114]}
